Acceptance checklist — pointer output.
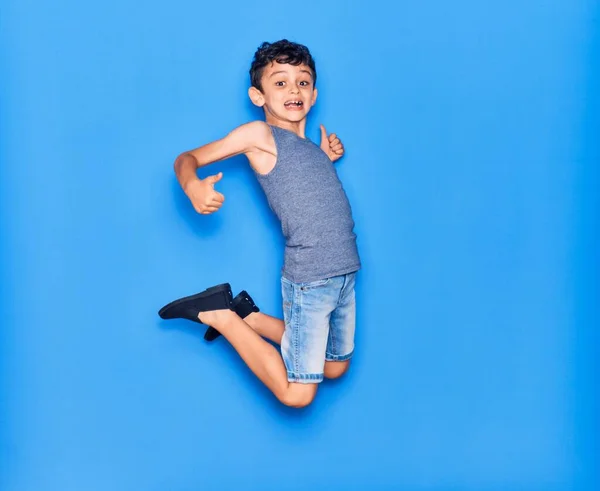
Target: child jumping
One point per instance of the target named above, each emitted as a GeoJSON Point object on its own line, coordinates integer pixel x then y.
{"type": "Point", "coordinates": [321, 258]}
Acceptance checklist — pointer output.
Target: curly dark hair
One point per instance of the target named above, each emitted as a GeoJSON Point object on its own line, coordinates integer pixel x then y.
{"type": "Point", "coordinates": [283, 51]}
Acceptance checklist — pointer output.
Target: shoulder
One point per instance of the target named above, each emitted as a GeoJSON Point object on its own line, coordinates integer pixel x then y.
{"type": "Point", "coordinates": [262, 151]}
{"type": "Point", "coordinates": [249, 137]}
{"type": "Point", "coordinates": [255, 130]}
{"type": "Point", "coordinates": [257, 136]}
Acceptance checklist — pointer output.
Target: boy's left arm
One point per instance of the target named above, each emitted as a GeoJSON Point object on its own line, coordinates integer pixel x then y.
{"type": "Point", "coordinates": [331, 145]}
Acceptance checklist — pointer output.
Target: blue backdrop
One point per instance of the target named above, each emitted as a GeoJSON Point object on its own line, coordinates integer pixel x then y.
{"type": "Point", "coordinates": [471, 131]}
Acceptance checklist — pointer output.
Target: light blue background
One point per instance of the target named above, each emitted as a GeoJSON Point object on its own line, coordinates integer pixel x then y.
{"type": "Point", "coordinates": [472, 133]}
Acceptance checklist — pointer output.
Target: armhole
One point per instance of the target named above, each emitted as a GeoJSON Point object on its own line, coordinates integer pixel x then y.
{"type": "Point", "coordinates": [276, 140]}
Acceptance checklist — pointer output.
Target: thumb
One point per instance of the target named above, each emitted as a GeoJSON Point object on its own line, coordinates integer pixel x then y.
{"type": "Point", "coordinates": [214, 179]}
{"type": "Point", "coordinates": [324, 136]}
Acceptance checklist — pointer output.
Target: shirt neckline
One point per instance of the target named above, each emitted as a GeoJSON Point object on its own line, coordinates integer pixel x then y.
{"type": "Point", "coordinates": [290, 131]}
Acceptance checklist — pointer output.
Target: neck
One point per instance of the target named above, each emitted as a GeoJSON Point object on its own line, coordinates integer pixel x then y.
{"type": "Point", "coordinates": [298, 127]}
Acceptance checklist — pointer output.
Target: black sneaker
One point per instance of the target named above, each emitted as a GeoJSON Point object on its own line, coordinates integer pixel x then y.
{"type": "Point", "coordinates": [242, 305]}
{"type": "Point", "coordinates": [218, 297]}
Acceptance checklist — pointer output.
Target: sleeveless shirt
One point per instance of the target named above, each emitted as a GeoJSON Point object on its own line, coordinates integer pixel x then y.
{"type": "Point", "coordinates": [307, 196]}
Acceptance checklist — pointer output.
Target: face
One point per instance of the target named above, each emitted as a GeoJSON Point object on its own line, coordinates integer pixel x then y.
{"type": "Point", "coordinates": [288, 91]}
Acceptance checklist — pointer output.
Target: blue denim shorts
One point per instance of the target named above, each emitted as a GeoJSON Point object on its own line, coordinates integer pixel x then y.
{"type": "Point", "coordinates": [319, 325]}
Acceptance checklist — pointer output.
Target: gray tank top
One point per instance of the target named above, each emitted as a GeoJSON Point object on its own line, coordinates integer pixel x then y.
{"type": "Point", "coordinates": [305, 193]}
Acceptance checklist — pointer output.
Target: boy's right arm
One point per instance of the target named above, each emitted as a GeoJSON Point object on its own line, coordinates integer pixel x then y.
{"type": "Point", "coordinates": [242, 140]}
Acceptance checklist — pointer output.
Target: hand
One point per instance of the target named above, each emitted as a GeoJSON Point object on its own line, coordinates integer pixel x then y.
{"type": "Point", "coordinates": [331, 145]}
{"type": "Point", "coordinates": [203, 196]}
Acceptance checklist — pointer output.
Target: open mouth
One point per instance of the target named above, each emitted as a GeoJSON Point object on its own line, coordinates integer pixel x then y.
{"type": "Point", "coordinates": [294, 105]}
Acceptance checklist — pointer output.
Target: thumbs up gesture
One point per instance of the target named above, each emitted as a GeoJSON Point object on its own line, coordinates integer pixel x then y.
{"type": "Point", "coordinates": [204, 197]}
{"type": "Point", "coordinates": [331, 145]}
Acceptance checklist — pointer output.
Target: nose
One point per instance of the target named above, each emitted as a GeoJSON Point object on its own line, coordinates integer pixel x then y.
{"type": "Point", "coordinates": [294, 89]}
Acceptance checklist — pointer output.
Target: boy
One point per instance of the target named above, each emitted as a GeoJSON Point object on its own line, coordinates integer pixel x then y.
{"type": "Point", "coordinates": [321, 258]}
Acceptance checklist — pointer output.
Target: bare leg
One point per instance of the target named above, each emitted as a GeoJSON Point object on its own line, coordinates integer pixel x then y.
{"type": "Point", "coordinates": [268, 327]}
{"type": "Point", "coordinates": [272, 328]}
{"type": "Point", "coordinates": [260, 356]}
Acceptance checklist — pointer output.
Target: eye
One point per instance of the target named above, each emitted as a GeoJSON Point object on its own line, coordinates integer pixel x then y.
{"type": "Point", "coordinates": [304, 83]}
{"type": "Point", "coordinates": [280, 84]}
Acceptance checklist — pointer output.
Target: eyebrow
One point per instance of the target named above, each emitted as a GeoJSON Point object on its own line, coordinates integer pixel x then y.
{"type": "Point", "coordinates": [283, 71]}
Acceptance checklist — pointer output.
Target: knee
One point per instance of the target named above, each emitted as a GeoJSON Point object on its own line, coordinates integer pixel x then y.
{"type": "Point", "coordinates": [297, 399]}
{"type": "Point", "coordinates": [335, 369]}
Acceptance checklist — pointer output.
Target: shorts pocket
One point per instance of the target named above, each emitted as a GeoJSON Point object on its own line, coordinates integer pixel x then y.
{"type": "Point", "coordinates": [314, 284]}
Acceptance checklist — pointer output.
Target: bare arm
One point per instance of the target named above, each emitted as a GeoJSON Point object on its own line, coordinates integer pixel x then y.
{"type": "Point", "coordinates": [242, 140]}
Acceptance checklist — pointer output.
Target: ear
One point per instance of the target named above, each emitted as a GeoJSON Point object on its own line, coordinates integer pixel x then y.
{"type": "Point", "coordinates": [314, 97]}
{"type": "Point", "coordinates": [256, 97]}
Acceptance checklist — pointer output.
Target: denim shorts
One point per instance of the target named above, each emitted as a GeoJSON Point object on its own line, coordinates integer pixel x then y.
{"type": "Point", "coordinates": [319, 325]}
